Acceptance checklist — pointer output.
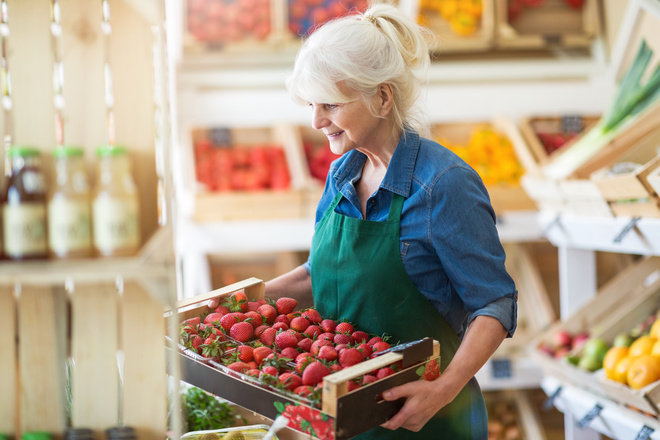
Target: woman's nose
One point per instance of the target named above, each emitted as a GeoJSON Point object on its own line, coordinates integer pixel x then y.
{"type": "Point", "coordinates": [318, 119]}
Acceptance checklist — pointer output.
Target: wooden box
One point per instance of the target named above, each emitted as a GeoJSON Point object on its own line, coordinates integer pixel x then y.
{"type": "Point", "coordinates": [550, 25]}
{"type": "Point", "coordinates": [224, 203]}
{"type": "Point", "coordinates": [623, 302]}
{"type": "Point", "coordinates": [506, 195]}
{"type": "Point", "coordinates": [653, 180]}
{"type": "Point", "coordinates": [336, 417]}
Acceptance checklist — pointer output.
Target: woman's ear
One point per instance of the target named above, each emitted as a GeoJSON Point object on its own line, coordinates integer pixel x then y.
{"type": "Point", "coordinates": [385, 98]}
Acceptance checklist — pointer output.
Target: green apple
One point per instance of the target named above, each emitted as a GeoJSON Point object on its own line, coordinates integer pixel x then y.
{"type": "Point", "coordinates": [590, 362]}
{"type": "Point", "coordinates": [596, 347]}
{"type": "Point", "coordinates": [623, 340]}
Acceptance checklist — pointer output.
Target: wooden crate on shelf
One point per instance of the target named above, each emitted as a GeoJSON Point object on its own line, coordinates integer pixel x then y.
{"type": "Point", "coordinates": [623, 302]}
{"type": "Point", "coordinates": [82, 346]}
{"type": "Point", "coordinates": [550, 25]}
{"type": "Point", "coordinates": [505, 195]}
{"type": "Point", "coordinates": [335, 417]}
{"type": "Point", "coordinates": [229, 201]}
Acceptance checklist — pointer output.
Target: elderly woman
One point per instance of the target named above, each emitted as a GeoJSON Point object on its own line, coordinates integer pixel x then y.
{"type": "Point", "coordinates": [405, 241]}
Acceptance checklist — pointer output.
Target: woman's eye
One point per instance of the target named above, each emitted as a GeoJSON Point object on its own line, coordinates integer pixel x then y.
{"type": "Point", "coordinates": [331, 106]}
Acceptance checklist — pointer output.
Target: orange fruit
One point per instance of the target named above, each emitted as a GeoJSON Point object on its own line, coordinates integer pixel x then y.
{"type": "Point", "coordinates": [643, 371]}
{"type": "Point", "coordinates": [620, 371]}
{"type": "Point", "coordinates": [612, 358]}
{"type": "Point", "coordinates": [642, 346]}
{"type": "Point", "coordinates": [655, 329]}
{"type": "Point", "coordinates": [655, 350]}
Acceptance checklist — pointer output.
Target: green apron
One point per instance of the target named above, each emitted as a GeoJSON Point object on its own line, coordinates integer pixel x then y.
{"type": "Point", "coordinates": [358, 276]}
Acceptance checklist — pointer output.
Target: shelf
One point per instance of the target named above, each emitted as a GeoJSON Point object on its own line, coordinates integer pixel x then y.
{"type": "Point", "coordinates": [509, 372]}
{"type": "Point", "coordinates": [614, 420]}
{"type": "Point", "coordinates": [620, 235]}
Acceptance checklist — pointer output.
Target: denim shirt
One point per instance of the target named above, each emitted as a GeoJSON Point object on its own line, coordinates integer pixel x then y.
{"type": "Point", "coordinates": [449, 243]}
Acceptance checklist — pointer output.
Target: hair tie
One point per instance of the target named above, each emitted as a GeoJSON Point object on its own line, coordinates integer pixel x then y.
{"type": "Point", "coordinates": [371, 19]}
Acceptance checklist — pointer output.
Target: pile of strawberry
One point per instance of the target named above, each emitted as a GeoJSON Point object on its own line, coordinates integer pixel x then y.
{"type": "Point", "coordinates": [287, 349]}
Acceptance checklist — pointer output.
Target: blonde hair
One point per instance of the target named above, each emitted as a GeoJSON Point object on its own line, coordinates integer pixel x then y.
{"type": "Point", "coordinates": [361, 51]}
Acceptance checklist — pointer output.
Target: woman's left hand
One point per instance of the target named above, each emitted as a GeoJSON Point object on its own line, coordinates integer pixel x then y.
{"type": "Point", "coordinates": [423, 400]}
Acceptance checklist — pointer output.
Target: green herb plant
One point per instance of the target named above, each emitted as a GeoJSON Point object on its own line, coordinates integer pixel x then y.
{"type": "Point", "coordinates": [204, 411]}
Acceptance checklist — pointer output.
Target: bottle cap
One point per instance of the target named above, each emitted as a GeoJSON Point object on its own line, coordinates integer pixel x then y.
{"type": "Point", "coordinates": [111, 150]}
{"type": "Point", "coordinates": [79, 434]}
{"type": "Point", "coordinates": [67, 151]}
{"type": "Point", "coordinates": [23, 151]}
{"type": "Point", "coordinates": [121, 433]}
{"type": "Point", "coordinates": [36, 435]}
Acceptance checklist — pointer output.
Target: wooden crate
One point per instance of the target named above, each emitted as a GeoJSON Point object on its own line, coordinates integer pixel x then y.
{"type": "Point", "coordinates": [623, 302]}
{"type": "Point", "coordinates": [504, 196]}
{"type": "Point", "coordinates": [653, 180]}
{"type": "Point", "coordinates": [84, 351]}
{"type": "Point", "coordinates": [336, 417]}
{"type": "Point", "coordinates": [551, 25]}
{"type": "Point", "coordinates": [259, 204]}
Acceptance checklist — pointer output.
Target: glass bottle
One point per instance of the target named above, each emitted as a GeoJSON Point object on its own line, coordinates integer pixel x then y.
{"type": "Point", "coordinates": [115, 208]}
{"type": "Point", "coordinates": [24, 206]}
{"type": "Point", "coordinates": [69, 207]}
{"type": "Point", "coordinates": [121, 433]}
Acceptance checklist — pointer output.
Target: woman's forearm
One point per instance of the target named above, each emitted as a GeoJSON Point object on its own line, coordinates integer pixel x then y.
{"type": "Point", "coordinates": [295, 284]}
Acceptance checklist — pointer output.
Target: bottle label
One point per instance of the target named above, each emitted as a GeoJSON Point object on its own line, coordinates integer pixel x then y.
{"type": "Point", "coordinates": [24, 229]}
{"type": "Point", "coordinates": [69, 226]}
{"type": "Point", "coordinates": [34, 182]}
{"type": "Point", "coordinates": [115, 225]}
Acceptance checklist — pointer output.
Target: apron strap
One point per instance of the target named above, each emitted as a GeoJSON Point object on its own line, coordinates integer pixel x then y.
{"type": "Point", "coordinates": [395, 208]}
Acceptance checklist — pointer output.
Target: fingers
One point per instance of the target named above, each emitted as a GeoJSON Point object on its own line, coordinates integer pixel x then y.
{"type": "Point", "coordinates": [213, 303]}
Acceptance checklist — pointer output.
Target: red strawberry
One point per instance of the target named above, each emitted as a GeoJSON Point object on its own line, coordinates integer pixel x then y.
{"type": "Point", "coordinates": [353, 385]}
{"type": "Point", "coordinates": [375, 339]}
{"type": "Point", "coordinates": [384, 372]}
{"type": "Point", "coordinates": [326, 336]}
{"type": "Point", "coordinates": [280, 326]}
{"type": "Point", "coordinates": [283, 318]}
{"type": "Point", "coordinates": [304, 344]}
{"type": "Point", "coordinates": [328, 353]}
{"type": "Point", "coordinates": [368, 378]}
{"type": "Point", "coordinates": [222, 309]}
{"type": "Point", "coordinates": [299, 323]}
{"type": "Point", "coordinates": [261, 353]}
{"type": "Point", "coordinates": [285, 305]}
{"type": "Point", "coordinates": [253, 372]}
{"type": "Point", "coordinates": [313, 331]}
{"type": "Point", "coordinates": [227, 321]}
{"type": "Point", "coordinates": [328, 325]}
{"type": "Point", "coordinates": [344, 327]}
{"type": "Point", "coordinates": [256, 318]}
{"type": "Point", "coordinates": [291, 381]}
{"type": "Point", "coordinates": [312, 316]}
{"type": "Point", "coordinates": [316, 346]}
{"type": "Point", "coordinates": [212, 318]}
{"type": "Point", "coordinates": [359, 336]}
{"type": "Point", "coordinates": [241, 331]}
{"type": "Point", "coordinates": [285, 339]}
{"type": "Point", "coordinates": [431, 370]}
{"type": "Point", "coordinates": [268, 312]}
{"type": "Point", "coordinates": [289, 352]}
{"type": "Point", "coordinates": [252, 306]}
{"type": "Point", "coordinates": [194, 322]}
{"type": "Point", "coordinates": [211, 348]}
{"type": "Point", "coordinates": [350, 356]}
{"type": "Point", "coordinates": [342, 338]}
{"type": "Point", "coordinates": [340, 347]}
{"type": "Point", "coordinates": [314, 373]}
{"type": "Point", "coordinates": [302, 360]}
{"type": "Point", "coordinates": [238, 366]}
{"type": "Point", "coordinates": [268, 336]}
{"type": "Point", "coordinates": [196, 342]}
{"type": "Point", "coordinates": [269, 369]}
{"type": "Point", "coordinates": [335, 367]}
{"type": "Point", "coordinates": [304, 390]}
{"type": "Point", "coordinates": [380, 346]}
{"type": "Point", "coordinates": [259, 330]}
{"type": "Point", "coordinates": [365, 349]}
{"type": "Point", "coordinates": [245, 353]}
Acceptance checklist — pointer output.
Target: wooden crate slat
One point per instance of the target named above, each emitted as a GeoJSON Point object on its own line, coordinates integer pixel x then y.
{"type": "Point", "coordinates": [42, 356]}
{"type": "Point", "coordinates": [94, 350]}
{"type": "Point", "coordinates": [144, 397]}
{"type": "Point", "coordinates": [8, 366]}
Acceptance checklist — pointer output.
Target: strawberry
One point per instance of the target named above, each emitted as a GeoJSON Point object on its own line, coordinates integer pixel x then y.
{"type": "Point", "coordinates": [314, 373]}
{"type": "Point", "coordinates": [359, 336]}
{"type": "Point", "coordinates": [368, 378]}
{"type": "Point", "coordinates": [291, 381]}
{"type": "Point", "coordinates": [335, 367]}
{"type": "Point", "coordinates": [312, 316]}
{"type": "Point", "coordinates": [344, 327]}
{"type": "Point", "coordinates": [280, 326]}
{"type": "Point", "coordinates": [253, 305]}
{"type": "Point", "coordinates": [212, 318]}
{"type": "Point", "coordinates": [313, 331]}
{"type": "Point", "coordinates": [303, 390]}
{"type": "Point", "coordinates": [353, 385]}
{"type": "Point", "coordinates": [227, 321]}
{"type": "Point", "coordinates": [380, 346]}
{"type": "Point", "coordinates": [299, 323]}
{"type": "Point", "coordinates": [196, 342]}
{"type": "Point", "coordinates": [268, 312]}
{"type": "Point", "coordinates": [384, 372]}
{"type": "Point", "coordinates": [211, 348]}
{"type": "Point", "coordinates": [302, 360]}
{"type": "Point", "coordinates": [237, 302]}
{"type": "Point", "coordinates": [268, 336]}
{"type": "Point", "coordinates": [245, 353]}
{"type": "Point", "coordinates": [260, 353]}
{"type": "Point", "coordinates": [253, 372]}
{"type": "Point", "coordinates": [285, 305]}
{"type": "Point", "coordinates": [316, 346]}
{"type": "Point", "coordinates": [194, 322]}
{"type": "Point", "coordinates": [340, 347]}
{"type": "Point", "coordinates": [259, 330]}
{"type": "Point", "coordinates": [431, 370]}
{"type": "Point", "coordinates": [304, 344]}
{"type": "Point", "coordinates": [283, 318]}
{"type": "Point", "coordinates": [222, 309]}
{"type": "Point", "coordinates": [375, 339]}
{"type": "Point", "coordinates": [365, 349]}
{"type": "Point", "coordinates": [270, 370]}
{"type": "Point", "coordinates": [326, 336]}
{"type": "Point", "coordinates": [256, 318]}
{"type": "Point", "coordinates": [328, 325]}
{"type": "Point", "coordinates": [238, 366]}
{"type": "Point", "coordinates": [328, 353]}
{"type": "Point", "coordinates": [342, 338]}
{"type": "Point", "coordinates": [285, 339]}
{"type": "Point", "coordinates": [350, 356]}
{"type": "Point", "coordinates": [241, 331]}
{"type": "Point", "coordinates": [289, 352]}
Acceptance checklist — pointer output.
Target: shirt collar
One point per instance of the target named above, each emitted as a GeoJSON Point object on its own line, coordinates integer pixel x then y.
{"type": "Point", "coordinates": [398, 178]}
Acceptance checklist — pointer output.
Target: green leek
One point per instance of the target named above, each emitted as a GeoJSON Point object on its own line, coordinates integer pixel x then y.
{"type": "Point", "coordinates": [632, 97]}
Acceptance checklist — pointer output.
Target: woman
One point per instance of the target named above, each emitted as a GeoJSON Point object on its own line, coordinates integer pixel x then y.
{"type": "Point", "coordinates": [405, 241]}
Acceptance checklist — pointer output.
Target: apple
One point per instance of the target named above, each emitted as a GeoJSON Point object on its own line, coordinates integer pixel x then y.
{"type": "Point", "coordinates": [579, 340]}
{"type": "Point", "coordinates": [623, 340]}
{"type": "Point", "coordinates": [597, 348]}
{"type": "Point", "coordinates": [561, 352]}
{"type": "Point", "coordinates": [590, 362]}
{"type": "Point", "coordinates": [562, 338]}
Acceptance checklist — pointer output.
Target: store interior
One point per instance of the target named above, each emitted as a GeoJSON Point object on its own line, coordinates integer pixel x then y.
{"type": "Point", "coordinates": [223, 173]}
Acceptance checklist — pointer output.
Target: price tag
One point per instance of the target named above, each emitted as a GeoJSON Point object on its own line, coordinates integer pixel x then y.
{"type": "Point", "coordinates": [644, 433]}
{"type": "Point", "coordinates": [588, 417]}
{"type": "Point", "coordinates": [501, 368]}
{"type": "Point", "coordinates": [220, 136]}
{"type": "Point", "coordinates": [550, 401]}
{"type": "Point", "coordinates": [571, 124]}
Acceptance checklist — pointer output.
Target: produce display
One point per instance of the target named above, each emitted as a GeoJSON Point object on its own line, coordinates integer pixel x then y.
{"type": "Point", "coordinates": [463, 16]}
{"type": "Point", "coordinates": [217, 22]}
{"type": "Point", "coordinates": [305, 15]}
{"type": "Point", "coordinates": [222, 165]}
{"type": "Point", "coordinates": [517, 7]}
{"type": "Point", "coordinates": [489, 152]}
{"type": "Point", "coordinates": [272, 344]}
{"type": "Point", "coordinates": [503, 420]}
{"type": "Point", "coordinates": [319, 158]}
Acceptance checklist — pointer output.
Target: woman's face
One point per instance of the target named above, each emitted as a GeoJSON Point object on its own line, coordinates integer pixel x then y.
{"type": "Point", "coordinates": [350, 125]}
